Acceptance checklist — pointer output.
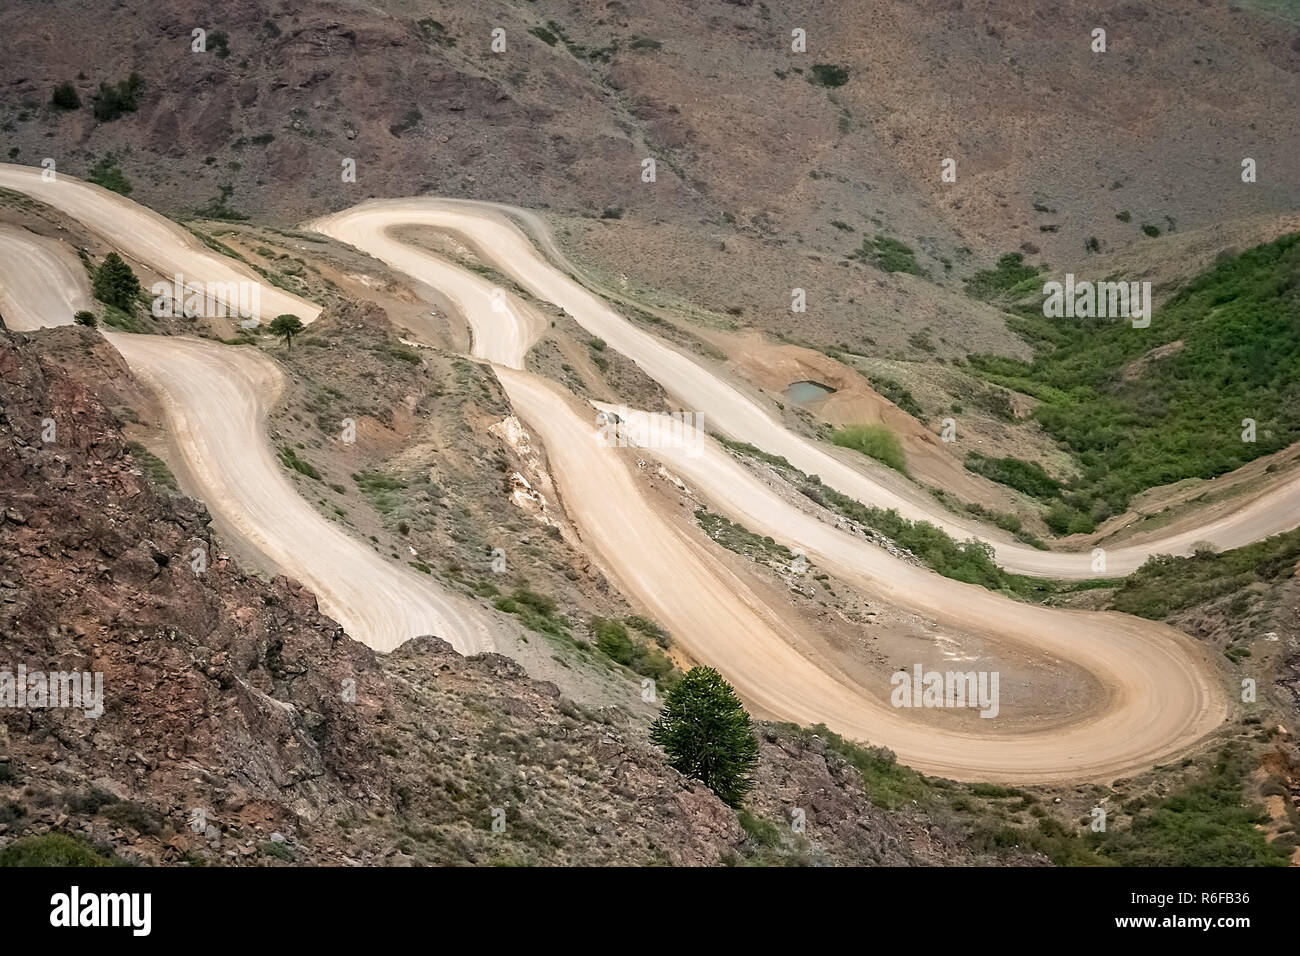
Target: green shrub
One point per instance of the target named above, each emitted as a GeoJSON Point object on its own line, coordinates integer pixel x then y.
{"type": "Point", "coordinates": [1205, 824]}
{"type": "Point", "coordinates": [52, 849]}
{"type": "Point", "coordinates": [613, 640]}
{"type": "Point", "coordinates": [1026, 476]}
{"type": "Point", "coordinates": [289, 458]}
{"type": "Point", "coordinates": [219, 43]}
{"type": "Point", "coordinates": [153, 466]}
{"type": "Point", "coordinates": [889, 784]}
{"type": "Point", "coordinates": [112, 102]}
{"type": "Point", "coordinates": [1165, 584]}
{"type": "Point", "coordinates": [66, 97]}
{"type": "Point", "coordinates": [1009, 274]}
{"type": "Point", "coordinates": [436, 32]}
{"type": "Point", "coordinates": [829, 75]}
{"type": "Point", "coordinates": [761, 831]}
{"type": "Point", "coordinates": [889, 255]}
{"type": "Point", "coordinates": [875, 441]}
{"type": "Point", "coordinates": [897, 394]}
{"type": "Point", "coordinates": [107, 173]}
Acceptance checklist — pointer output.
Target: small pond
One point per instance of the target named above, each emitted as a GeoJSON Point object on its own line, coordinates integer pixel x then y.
{"type": "Point", "coordinates": [801, 393]}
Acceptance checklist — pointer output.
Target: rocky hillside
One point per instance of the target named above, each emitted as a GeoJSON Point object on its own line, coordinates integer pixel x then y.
{"type": "Point", "coordinates": [1051, 139]}
{"type": "Point", "coordinates": [775, 169]}
{"type": "Point", "coordinates": [231, 695]}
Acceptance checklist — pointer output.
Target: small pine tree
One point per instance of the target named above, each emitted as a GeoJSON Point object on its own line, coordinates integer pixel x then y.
{"type": "Point", "coordinates": [286, 326]}
{"type": "Point", "coordinates": [85, 318]}
{"type": "Point", "coordinates": [705, 731]}
{"type": "Point", "coordinates": [66, 97]}
{"type": "Point", "coordinates": [115, 283]}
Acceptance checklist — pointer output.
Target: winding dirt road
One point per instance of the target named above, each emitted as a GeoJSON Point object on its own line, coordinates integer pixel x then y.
{"type": "Point", "coordinates": [215, 398]}
{"type": "Point", "coordinates": [148, 238]}
{"type": "Point", "coordinates": [727, 408]}
{"type": "Point", "coordinates": [1160, 693]}
{"type": "Point", "coordinates": [41, 282]}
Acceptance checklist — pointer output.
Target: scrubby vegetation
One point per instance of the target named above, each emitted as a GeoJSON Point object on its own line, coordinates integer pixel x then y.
{"type": "Point", "coordinates": [897, 394]}
{"type": "Point", "coordinates": [218, 207]}
{"type": "Point", "coordinates": [66, 97]}
{"type": "Point", "coordinates": [1026, 476]}
{"type": "Point", "coordinates": [889, 255]}
{"type": "Point", "coordinates": [1181, 415]}
{"type": "Point", "coordinates": [435, 32]}
{"type": "Point", "coordinates": [614, 640]}
{"type": "Point", "coordinates": [1166, 584]}
{"type": "Point", "coordinates": [537, 612]}
{"type": "Point", "coordinates": [1204, 824]}
{"type": "Point", "coordinates": [107, 173]}
{"type": "Point", "coordinates": [1009, 278]}
{"type": "Point", "coordinates": [153, 466]}
{"type": "Point", "coordinates": [113, 101]}
{"type": "Point", "coordinates": [378, 487]}
{"type": "Point", "coordinates": [969, 561]}
{"type": "Point", "coordinates": [289, 458]}
{"type": "Point", "coordinates": [52, 849]}
{"type": "Point", "coordinates": [875, 441]}
{"type": "Point", "coordinates": [889, 784]}
{"type": "Point", "coordinates": [828, 74]}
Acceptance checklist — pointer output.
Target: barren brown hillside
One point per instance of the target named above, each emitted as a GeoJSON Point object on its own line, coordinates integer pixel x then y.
{"type": "Point", "coordinates": [583, 91]}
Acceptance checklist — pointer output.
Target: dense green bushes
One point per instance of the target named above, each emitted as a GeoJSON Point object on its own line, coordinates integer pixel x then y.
{"type": "Point", "coordinates": [897, 394]}
{"type": "Point", "coordinates": [615, 642]}
{"type": "Point", "coordinates": [1026, 476]}
{"type": "Point", "coordinates": [828, 74]}
{"type": "Point", "coordinates": [107, 173]}
{"type": "Point", "coordinates": [1233, 337]}
{"type": "Point", "coordinates": [1204, 824]}
{"type": "Point", "coordinates": [1166, 584]}
{"type": "Point", "coordinates": [1006, 278]}
{"type": "Point", "coordinates": [970, 561]}
{"type": "Point", "coordinates": [52, 849]}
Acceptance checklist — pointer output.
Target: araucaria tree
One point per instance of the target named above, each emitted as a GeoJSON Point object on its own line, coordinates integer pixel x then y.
{"type": "Point", "coordinates": [705, 730]}
{"type": "Point", "coordinates": [286, 327]}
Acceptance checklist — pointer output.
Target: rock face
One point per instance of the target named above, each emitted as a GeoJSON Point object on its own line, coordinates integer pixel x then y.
{"type": "Point", "coordinates": [242, 726]}
{"type": "Point", "coordinates": [220, 690]}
